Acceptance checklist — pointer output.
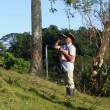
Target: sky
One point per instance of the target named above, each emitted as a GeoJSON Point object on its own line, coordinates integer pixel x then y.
{"type": "Point", "coordinates": [15, 16]}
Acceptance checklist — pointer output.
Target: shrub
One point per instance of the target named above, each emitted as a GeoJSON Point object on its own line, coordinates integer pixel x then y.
{"type": "Point", "coordinates": [21, 65]}
{"type": "Point", "coordinates": [1, 60]}
{"type": "Point", "coordinates": [9, 60]}
{"type": "Point", "coordinates": [17, 64]}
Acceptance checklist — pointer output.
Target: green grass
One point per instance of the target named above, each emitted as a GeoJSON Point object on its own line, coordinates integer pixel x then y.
{"type": "Point", "coordinates": [26, 92]}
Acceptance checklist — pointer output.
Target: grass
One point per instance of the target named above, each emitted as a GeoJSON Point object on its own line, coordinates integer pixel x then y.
{"type": "Point", "coordinates": [26, 92]}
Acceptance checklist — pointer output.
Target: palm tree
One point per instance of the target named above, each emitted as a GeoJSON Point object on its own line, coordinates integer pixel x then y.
{"type": "Point", "coordinates": [36, 56]}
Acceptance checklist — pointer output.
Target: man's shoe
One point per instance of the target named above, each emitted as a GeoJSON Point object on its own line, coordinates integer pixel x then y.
{"type": "Point", "coordinates": [69, 91]}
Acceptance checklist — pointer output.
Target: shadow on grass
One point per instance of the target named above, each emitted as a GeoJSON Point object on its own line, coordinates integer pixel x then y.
{"type": "Point", "coordinates": [81, 108]}
{"type": "Point", "coordinates": [53, 99]}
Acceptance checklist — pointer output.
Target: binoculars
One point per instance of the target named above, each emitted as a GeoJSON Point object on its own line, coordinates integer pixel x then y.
{"type": "Point", "coordinates": [62, 36]}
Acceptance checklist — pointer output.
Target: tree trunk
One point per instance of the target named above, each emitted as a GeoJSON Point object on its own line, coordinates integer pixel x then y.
{"type": "Point", "coordinates": [36, 56]}
{"type": "Point", "coordinates": [99, 60]}
{"type": "Point", "coordinates": [105, 42]}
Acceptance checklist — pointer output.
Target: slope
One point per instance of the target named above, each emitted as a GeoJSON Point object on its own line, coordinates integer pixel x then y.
{"type": "Point", "coordinates": [26, 92]}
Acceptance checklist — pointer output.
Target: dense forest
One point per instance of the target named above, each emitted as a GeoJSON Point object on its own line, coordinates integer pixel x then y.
{"type": "Point", "coordinates": [15, 53]}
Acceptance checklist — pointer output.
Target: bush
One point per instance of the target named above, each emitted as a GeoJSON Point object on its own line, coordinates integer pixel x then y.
{"type": "Point", "coordinates": [9, 60]}
{"type": "Point", "coordinates": [82, 72]}
{"type": "Point", "coordinates": [1, 60]}
{"type": "Point", "coordinates": [17, 64]}
{"type": "Point", "coordinates": [21, 65]}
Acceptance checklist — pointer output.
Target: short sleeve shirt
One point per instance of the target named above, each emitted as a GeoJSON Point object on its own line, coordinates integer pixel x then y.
{"type": "Point", "coordinates": [66, 65]}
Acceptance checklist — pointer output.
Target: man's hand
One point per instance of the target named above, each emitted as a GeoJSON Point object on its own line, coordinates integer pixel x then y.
{"type": "Point", "coordinates": [59, 40]}
{"type": "Point", "coordinates": [61, 50]}
{"type": "Point", "coordinates": [56, 44]}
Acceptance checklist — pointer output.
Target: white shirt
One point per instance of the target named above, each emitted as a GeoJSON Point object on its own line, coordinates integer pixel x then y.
{"type": "Point", "coordinates": [66, 65]}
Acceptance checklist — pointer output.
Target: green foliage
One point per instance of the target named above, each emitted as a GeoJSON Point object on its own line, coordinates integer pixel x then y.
{"type": "Point", "coordinates": [87, 45]}
{"type": "Point", "coordinates": [82, 72]}
{"type": "Point", "coordinates": [86, 81]}
{"type": "Point", "coordinates": [18, 64]}
{"type": "Point", "coordinates": [101, 82]}
{"type": "Point", "coordinates": [19, 44]}
{"type": "Point", "coordinates": [50, 35]}
{"type": "Point", "coordinates": [9, 60]}
{"type": "Point", "coordinates": [106, 86]}
{"type": "Point", "coordinates": [1, 60]}
{"type": "Point", "coordinates": [71, 1]}
{"type": "Point", "coordinates": [2, 48]}
{"type": "Point", "coordinates": [21, 66]}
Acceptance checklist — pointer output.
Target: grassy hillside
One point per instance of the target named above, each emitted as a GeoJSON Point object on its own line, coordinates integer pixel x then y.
{"type": "Point", "coordinates": [26, 92]}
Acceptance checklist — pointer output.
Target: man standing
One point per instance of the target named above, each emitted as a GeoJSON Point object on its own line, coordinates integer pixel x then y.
{"type": "Point", "coordinates": [68, 53]}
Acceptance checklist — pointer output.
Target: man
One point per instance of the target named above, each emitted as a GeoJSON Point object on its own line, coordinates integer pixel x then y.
{"type": "Point", "coordinates": [68, 53]}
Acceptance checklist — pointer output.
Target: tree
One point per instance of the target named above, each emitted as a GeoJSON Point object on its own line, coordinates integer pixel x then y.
{"type": "Point", "coordinates": [36, 55]}
{"type": "Point", "coordinates": [18, 44]}
{"type": "Point", "coordinates": [2, 48]}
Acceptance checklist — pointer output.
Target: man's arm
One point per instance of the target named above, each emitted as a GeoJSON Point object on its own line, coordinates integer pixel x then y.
{"type": "Point", "coordinates": [69, 57]}
{"type": "Point", "coordinates": [56, 44]}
